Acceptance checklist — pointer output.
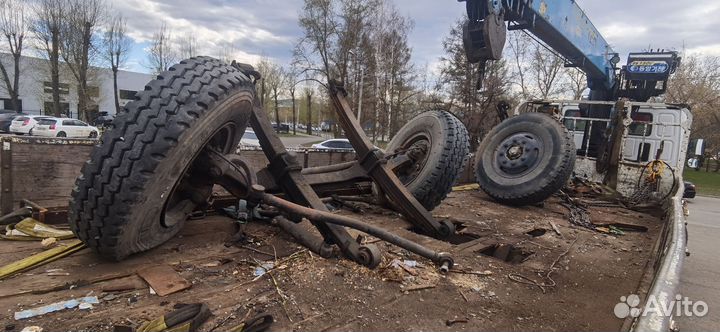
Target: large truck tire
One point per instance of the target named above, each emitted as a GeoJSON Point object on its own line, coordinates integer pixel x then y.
{"type": "Point", "coordinates": [438, 145]}
{"type": "Point", "coordinates": [525, 159]}
{"type": "Point", "coordinates": [137, 189]}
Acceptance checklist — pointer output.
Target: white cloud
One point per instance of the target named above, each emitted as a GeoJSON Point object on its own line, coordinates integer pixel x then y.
{"type": "Point", "coordinates": [216, 26]}
{"type": "Point", "coordinates": [622, 30]}
{"type": "Point", "coordinates": [269, 27]}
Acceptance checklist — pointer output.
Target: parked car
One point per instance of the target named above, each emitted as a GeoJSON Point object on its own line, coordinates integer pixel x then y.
{"type": "Point", "coordinates": [24, 124]}
{"type": "Point", "coordinates": [689, 190]}
{"type": "Point", "coordinates": [284, 128]}
{"type": "Point", "coordinates": [6, 118]}
{"type": "Point", "coordinates": [64, 127]}
{"type": "Point", "coordinates": [334, 144]}
{"type": "Point", "coordinates": [249, 139]}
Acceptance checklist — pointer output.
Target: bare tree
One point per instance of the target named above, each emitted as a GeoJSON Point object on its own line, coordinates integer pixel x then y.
{"type": "Point", "coordinates": [79, 46]}
{"type": "Point", "coordinates": [476, 109]}
{"type": "Point", "coordinates": [575, 83]}
{"type": "Point", "coordinates": [264, 66]}
{"type": "Point", "coordinates": [188, 46]}
{"type": "Point", "coordinates": [117, 45]}
{"type": "Point", "coordinates": [316, 47]}
{"type": "Point", "coordinates": [546, 68]}
{"type": "Point", "coordinates": [537, 70]}
{"type": "Point", "coordinates": [276, 81]}
{"type": "Point", "coordinates": [161, 54]}
{"type": "Point", "coordinates": [309, 93]}
{"type": "Point", "coordinates": [363, 43]}
{"type": "Point", "coordinates": [47, 27]}
{"type": "Point", "coordinates": [13, 26]}
{"type": "Point", "coordinates": [291, 83]}
{"type": "Point", "coordinates": [272, 83]}
{"type": "Point", "coordinates": [227, 52]}
{"type": "Point", "coordinates": [697, 83]}
{"type": "Point", "coordinates": [518, 43]}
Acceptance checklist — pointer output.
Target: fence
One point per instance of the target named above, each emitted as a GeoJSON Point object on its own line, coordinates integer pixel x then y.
{"type": "Point", "coordinates": [44, 170]}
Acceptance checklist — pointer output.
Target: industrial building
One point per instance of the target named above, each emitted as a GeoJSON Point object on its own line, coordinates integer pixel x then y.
{"type": "Point", "coordinates": [36, 89]}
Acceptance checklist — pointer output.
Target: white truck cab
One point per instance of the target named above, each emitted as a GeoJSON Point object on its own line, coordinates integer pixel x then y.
{"type": "Point", "coordinates": [652, 125]}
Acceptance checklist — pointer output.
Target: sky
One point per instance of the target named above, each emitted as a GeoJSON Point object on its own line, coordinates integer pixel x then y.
{"type": "Point", "coordinates": [257, 28]}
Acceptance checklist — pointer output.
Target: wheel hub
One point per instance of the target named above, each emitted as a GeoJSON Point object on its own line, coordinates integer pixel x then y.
{"type": "Point", "coordinates": [417, 152]}
{"type": "Point", "coordinates": [518, 154]}
{"type": "Point", "coordinates": [195, 185]}
{"type": "Point", "coordinates": [514, 152]}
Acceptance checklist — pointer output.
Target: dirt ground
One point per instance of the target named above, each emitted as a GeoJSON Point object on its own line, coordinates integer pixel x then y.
{"type": "Point", "coordinates": [304, 292]}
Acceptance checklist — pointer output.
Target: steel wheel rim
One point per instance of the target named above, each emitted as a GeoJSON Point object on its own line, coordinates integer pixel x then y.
{"type": "Point", "coordinates": [418, 150]}
{"type": "Point", "coordinates": [186, 193]}
{"type": "Point", "coordinates": [517, 155]}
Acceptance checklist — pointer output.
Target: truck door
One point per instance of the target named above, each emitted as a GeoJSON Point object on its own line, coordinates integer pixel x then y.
{"type": "Point", "coordinates": [649, 128]}
{"type": "Point", "coordinates": [575, 125]}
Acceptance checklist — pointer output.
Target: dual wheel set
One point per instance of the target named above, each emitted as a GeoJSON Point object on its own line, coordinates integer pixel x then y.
{"type": "Point", "coordinates": [161, 157]}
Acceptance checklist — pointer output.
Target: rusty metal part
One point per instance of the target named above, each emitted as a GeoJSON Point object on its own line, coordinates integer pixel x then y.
{"type": "Point", "coordinates": [39, 209]}
{"type": "Point", "coordinates": [579, 214]}
{"type": "Point", "coordinates": [304, 237]}
{"type": "Point", "coordinates": [370, 256]}
{"type": "Point", "coordinates": [442, 259]}
{"type": "Point", "coordinates": [285, 174]}
{"type": "Point", "coordinates": [16, 215]}
{"type": "Point", "coordinates": [328, 168]}
{"type": "Point", "coordinates": [373, 162]}
{"type": "Point", "coordinates": [286, 171]}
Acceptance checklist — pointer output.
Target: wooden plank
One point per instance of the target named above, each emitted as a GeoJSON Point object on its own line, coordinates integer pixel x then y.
{"type": "Point", "coordinates": [45, 172]}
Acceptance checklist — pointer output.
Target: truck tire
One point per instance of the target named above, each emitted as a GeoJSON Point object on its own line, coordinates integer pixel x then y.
{"type": "Point", "coordinates": [138, 187]}
{"type": "Point", "coordinates": [525, 159]}
{"type": "Point", "coordinates": [438, 145]}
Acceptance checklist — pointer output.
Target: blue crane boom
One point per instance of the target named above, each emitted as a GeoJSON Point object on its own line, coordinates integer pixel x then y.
{"type": "Point", "coordinates": [564, 27]}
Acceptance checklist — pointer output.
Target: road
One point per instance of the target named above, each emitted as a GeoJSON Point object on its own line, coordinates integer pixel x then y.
{"type": "Point", "coordinates": [700, 279]}
{"type": "Point", "coordinates": [296, 141]}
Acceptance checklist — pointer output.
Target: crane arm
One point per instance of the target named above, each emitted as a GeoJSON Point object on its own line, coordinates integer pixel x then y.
{"type": "Point", "coordinates": [564, 27]}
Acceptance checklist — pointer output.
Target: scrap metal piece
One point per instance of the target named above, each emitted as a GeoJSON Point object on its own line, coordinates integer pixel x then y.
{"type": "Point", "coordinates": [41, 211]}
{"type": "Point", "coordinates": [373, 161]}
{"type": "Point", "coordinates": [164, 280]}
{"type": "Point", "coordinates": [286, 172]}
{"type": "Point", "coordinates": [440, 258]}
{"type": "Point", "coordinates": [16, 215]}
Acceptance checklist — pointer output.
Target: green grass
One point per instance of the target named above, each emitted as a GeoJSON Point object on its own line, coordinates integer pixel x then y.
{"type": "Point", "coordinates": [706, 183]}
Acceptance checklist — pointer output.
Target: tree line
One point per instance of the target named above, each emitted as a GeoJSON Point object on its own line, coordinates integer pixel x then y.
{"type": "Point", "coordinates": [70, 34]}
{"type": "Point", "coordinates": [363, 43]}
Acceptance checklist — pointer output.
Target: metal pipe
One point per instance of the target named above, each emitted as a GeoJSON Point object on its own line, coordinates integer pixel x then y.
{"type": "Point", "coordinates": [302, 235]}
{"type": "Point", "coordinates": [443, 259]}
{"type": "Point", "coordinates": [328, 168]}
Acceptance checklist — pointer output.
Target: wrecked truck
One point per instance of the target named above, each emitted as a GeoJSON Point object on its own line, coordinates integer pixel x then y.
{"type": "Point", "coordinates": [401, 239]}
{"type": "Point", "coordinates": [575, 220]}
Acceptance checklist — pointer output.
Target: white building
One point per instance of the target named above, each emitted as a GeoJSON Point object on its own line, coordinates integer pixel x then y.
{"type": "Point", "coordinates": [36, 90]}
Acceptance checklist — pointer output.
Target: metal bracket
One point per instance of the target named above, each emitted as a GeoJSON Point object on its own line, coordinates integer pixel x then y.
{"type": "Point", "coordinates": [287, 173]}
{"type": "Point", "coordinates": [372, 160]}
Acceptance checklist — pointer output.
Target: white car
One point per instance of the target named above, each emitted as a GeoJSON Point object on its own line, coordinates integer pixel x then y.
{"type": "Point", "coordinates": [249, 139]}
{"type": "Point", "coordinates": [25, 124]}
{"type": "Point", "coordinates": [334, 144]}
{"type": "Point", "coordinates": [64, 127]}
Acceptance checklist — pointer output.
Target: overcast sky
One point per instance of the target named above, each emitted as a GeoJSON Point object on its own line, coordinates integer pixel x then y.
{"type": "Point", "coordinates": [269, 27]}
